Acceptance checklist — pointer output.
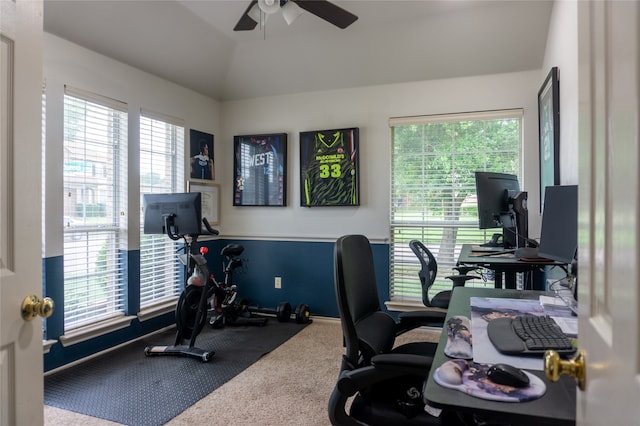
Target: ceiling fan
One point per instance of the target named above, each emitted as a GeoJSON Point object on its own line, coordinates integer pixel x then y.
{"type": "Point", "coordinates": [291, 9]}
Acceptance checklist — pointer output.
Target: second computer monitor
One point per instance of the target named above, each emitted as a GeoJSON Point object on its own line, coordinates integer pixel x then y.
{"type": "Point", "coordinates": [492, 199]}
{"type": "Point", "coordinates": [501, 204]}
{"type": "Point", "coordinates": [559, 235]}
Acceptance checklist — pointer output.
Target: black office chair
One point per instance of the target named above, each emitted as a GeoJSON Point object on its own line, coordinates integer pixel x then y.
{"type": "Point", "coordinates": [428, 272]}
{"type": "Point", "coordinates": [388, 381]}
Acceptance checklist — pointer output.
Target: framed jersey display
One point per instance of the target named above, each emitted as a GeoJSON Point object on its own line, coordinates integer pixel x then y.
{"type": "Point", "coordinates": [329, 168]}
{"type": "Point", "coordinates": [260, 167]}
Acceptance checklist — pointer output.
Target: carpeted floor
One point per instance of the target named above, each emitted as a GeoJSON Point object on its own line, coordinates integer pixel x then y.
{"type": "Point", "coordinates": [289, 386]}
{"type": "Point", "coordinates": [126, 387]}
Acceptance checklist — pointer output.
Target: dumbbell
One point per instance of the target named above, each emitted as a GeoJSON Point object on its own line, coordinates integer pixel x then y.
{"type": "Point", "coordinates": [283, 312]}
{"type": "Point", "coordinates": [302, 313]}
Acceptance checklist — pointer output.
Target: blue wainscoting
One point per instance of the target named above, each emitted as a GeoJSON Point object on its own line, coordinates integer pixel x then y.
{"type": "Point", "coordinates": [306, 269]}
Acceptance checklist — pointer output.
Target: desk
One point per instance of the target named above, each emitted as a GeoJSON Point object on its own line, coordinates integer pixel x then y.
{"type": "Point", "coordinates": [508, 265]}
{"type": "Point", "coordinates": [556, 407]}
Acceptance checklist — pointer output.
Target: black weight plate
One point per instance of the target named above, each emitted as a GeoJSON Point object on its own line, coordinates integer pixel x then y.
{"type": "Point", "coordinates": [302, 313]}
{"type": "Point", "coordinates": [283, 312]}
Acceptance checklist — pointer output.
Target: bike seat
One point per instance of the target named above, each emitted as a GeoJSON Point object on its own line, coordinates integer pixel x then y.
{"type": "Point", "coordinates": [231, 250]}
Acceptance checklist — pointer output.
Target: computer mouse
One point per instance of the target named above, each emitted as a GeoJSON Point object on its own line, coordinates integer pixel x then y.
{"type": "Point", "coordinates": [505, 374]}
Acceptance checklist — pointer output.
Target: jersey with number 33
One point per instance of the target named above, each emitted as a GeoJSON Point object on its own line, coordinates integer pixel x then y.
{"type": "Point", "coordinates": [330, 176]}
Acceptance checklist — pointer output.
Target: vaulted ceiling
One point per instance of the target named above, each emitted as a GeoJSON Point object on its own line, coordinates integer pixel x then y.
{"type": "Point", "coordinates": [192, 43]}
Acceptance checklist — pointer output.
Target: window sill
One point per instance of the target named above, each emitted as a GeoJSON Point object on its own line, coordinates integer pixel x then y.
{"type": "Point", "coordinates": [94, 330]}
{"type": "Point", "coordinates": [157, 310]}
{"type": "Point", "coordinates": [46, 345]}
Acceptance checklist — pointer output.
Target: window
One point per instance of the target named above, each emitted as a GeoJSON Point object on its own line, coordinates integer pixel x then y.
{"type": "Point", "coordinates": [95, 138]}
{"type": "Point", "coordinates": [433, 187]}
{"type": "Point", "coordinates": [161, 171]}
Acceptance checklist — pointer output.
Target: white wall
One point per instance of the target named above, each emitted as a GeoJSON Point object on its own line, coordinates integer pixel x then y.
{"type": "Point", "coordinates": [369, 109]}
{"type": "Point", "coordinates": [562, 52]}
{"type": "Point", "coordinates": [67, 63]}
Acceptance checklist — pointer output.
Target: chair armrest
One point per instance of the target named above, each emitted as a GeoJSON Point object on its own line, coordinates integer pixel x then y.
{"type": "Point", "coordinates": [465, 269]}
{"type": "Point", "coordinates": [337, 414]}
{"type": "Point", "coordinates": [414, 319]}
{"type": "Point", "coordinates": [383, 367]}
{"type": "Point", "coordinates": [402, 364]}
{"type": "Point", "coordinates": [460, 280]}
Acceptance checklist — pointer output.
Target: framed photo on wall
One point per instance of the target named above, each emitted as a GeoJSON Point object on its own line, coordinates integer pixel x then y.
{"type": "Point", "coordinates": [260, 170]}
{"type": "Point", "coordinates": [201, 153]}
{"type": "Point", "coordinates": [549, 132]}
{"type": "Point", "coordinates": [329, 168]}
{"type": "Point", "coordinates": [210, 199]}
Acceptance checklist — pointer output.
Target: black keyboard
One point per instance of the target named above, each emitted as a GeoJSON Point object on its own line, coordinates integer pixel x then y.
{"type": "Point", "coordinates": [528, 335]}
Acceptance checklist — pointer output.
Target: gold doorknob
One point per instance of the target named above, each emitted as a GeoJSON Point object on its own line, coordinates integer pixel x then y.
{"type": "Point", "coordinates": [32, 307]}
{"type": "Point", "coordinates": [554, 367]}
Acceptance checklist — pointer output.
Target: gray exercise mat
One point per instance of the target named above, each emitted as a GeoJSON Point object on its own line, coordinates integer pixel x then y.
{"type": "Point", "coordinates": [127, 387]}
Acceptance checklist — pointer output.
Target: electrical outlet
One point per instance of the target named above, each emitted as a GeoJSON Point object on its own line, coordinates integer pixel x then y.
{"type": "Point", "coordinates": [278, 282]}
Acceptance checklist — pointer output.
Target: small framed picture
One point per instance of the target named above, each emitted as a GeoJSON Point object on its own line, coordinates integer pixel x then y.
{"type": "Point", "coordinates": [210, 199]}
{"type": "Point", "coordinates": [201, 153]}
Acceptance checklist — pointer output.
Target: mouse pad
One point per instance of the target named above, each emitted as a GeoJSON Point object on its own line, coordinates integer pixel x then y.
{"type": "Point", "coordinates": [459, 340]}
{"type": "Point", "coordinates": [471, 378]}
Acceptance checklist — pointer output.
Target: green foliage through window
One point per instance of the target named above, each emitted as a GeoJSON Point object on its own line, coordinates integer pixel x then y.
{"type": "Point", "coordinates": [433, 195]}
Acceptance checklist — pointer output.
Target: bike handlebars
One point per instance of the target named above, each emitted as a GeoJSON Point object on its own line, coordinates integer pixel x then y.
{"type": "Point", "coordinates": [168, 226]}
{"type": "Point", "coordinates": [209, 228]}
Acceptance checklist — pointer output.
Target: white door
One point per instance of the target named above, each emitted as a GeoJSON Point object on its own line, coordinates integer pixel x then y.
{"type": "Point", "coordinates": [609, 200]}
{"type": "Point", "coordinates": [21, 388]}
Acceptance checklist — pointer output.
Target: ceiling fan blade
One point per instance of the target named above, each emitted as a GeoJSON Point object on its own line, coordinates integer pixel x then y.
{"type": "Point", "coordinates": [246, 23]}
{"type": "Point", "coordinates": [328, 11]}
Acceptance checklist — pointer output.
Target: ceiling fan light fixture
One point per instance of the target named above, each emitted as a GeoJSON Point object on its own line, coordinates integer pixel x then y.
{"type": "Point", "coordinates": [258, 10]}
{"type": "Point", "coordinates": [290, 11]}
{"type": "Point", "coordinates": [269, 7]}
{"type": "Point", "coordinates": [255, 13]}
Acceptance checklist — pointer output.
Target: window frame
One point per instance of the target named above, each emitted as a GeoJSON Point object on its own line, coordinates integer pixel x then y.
{"type": "Point", "coordinates": [157, 252]}
{"type": "Point", "coordinates": [404, 283]}
{"type": "Point", "coordinates": [109, 131]}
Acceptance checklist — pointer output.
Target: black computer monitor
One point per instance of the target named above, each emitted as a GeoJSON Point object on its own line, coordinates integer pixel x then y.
{"type": "Point", "coordinates": [173, 214]}
{"type": "Point", "coordinates": [559, 236]}
{"type": "Point", "coordinates": [501, 204]}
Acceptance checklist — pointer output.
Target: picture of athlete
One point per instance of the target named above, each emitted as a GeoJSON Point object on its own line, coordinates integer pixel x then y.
{"type": "Point", "coordinates": [202, 163]}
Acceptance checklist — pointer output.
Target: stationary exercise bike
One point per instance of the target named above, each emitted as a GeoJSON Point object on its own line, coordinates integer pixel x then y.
{"type": "Point", "coordinates": [191, 309]}
{"type": "Point", "coordinates": [170, 213]}
{"type": "Point", "coordinates": [228, 309]}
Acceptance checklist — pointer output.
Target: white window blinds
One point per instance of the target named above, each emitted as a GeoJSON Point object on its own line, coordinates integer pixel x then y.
{"type": "Point", "coordinates": [95, 146]}
{"type": "Point", "coordinates": [161, 171]}
{"type": "Point", "coordinates": [433, 187]}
